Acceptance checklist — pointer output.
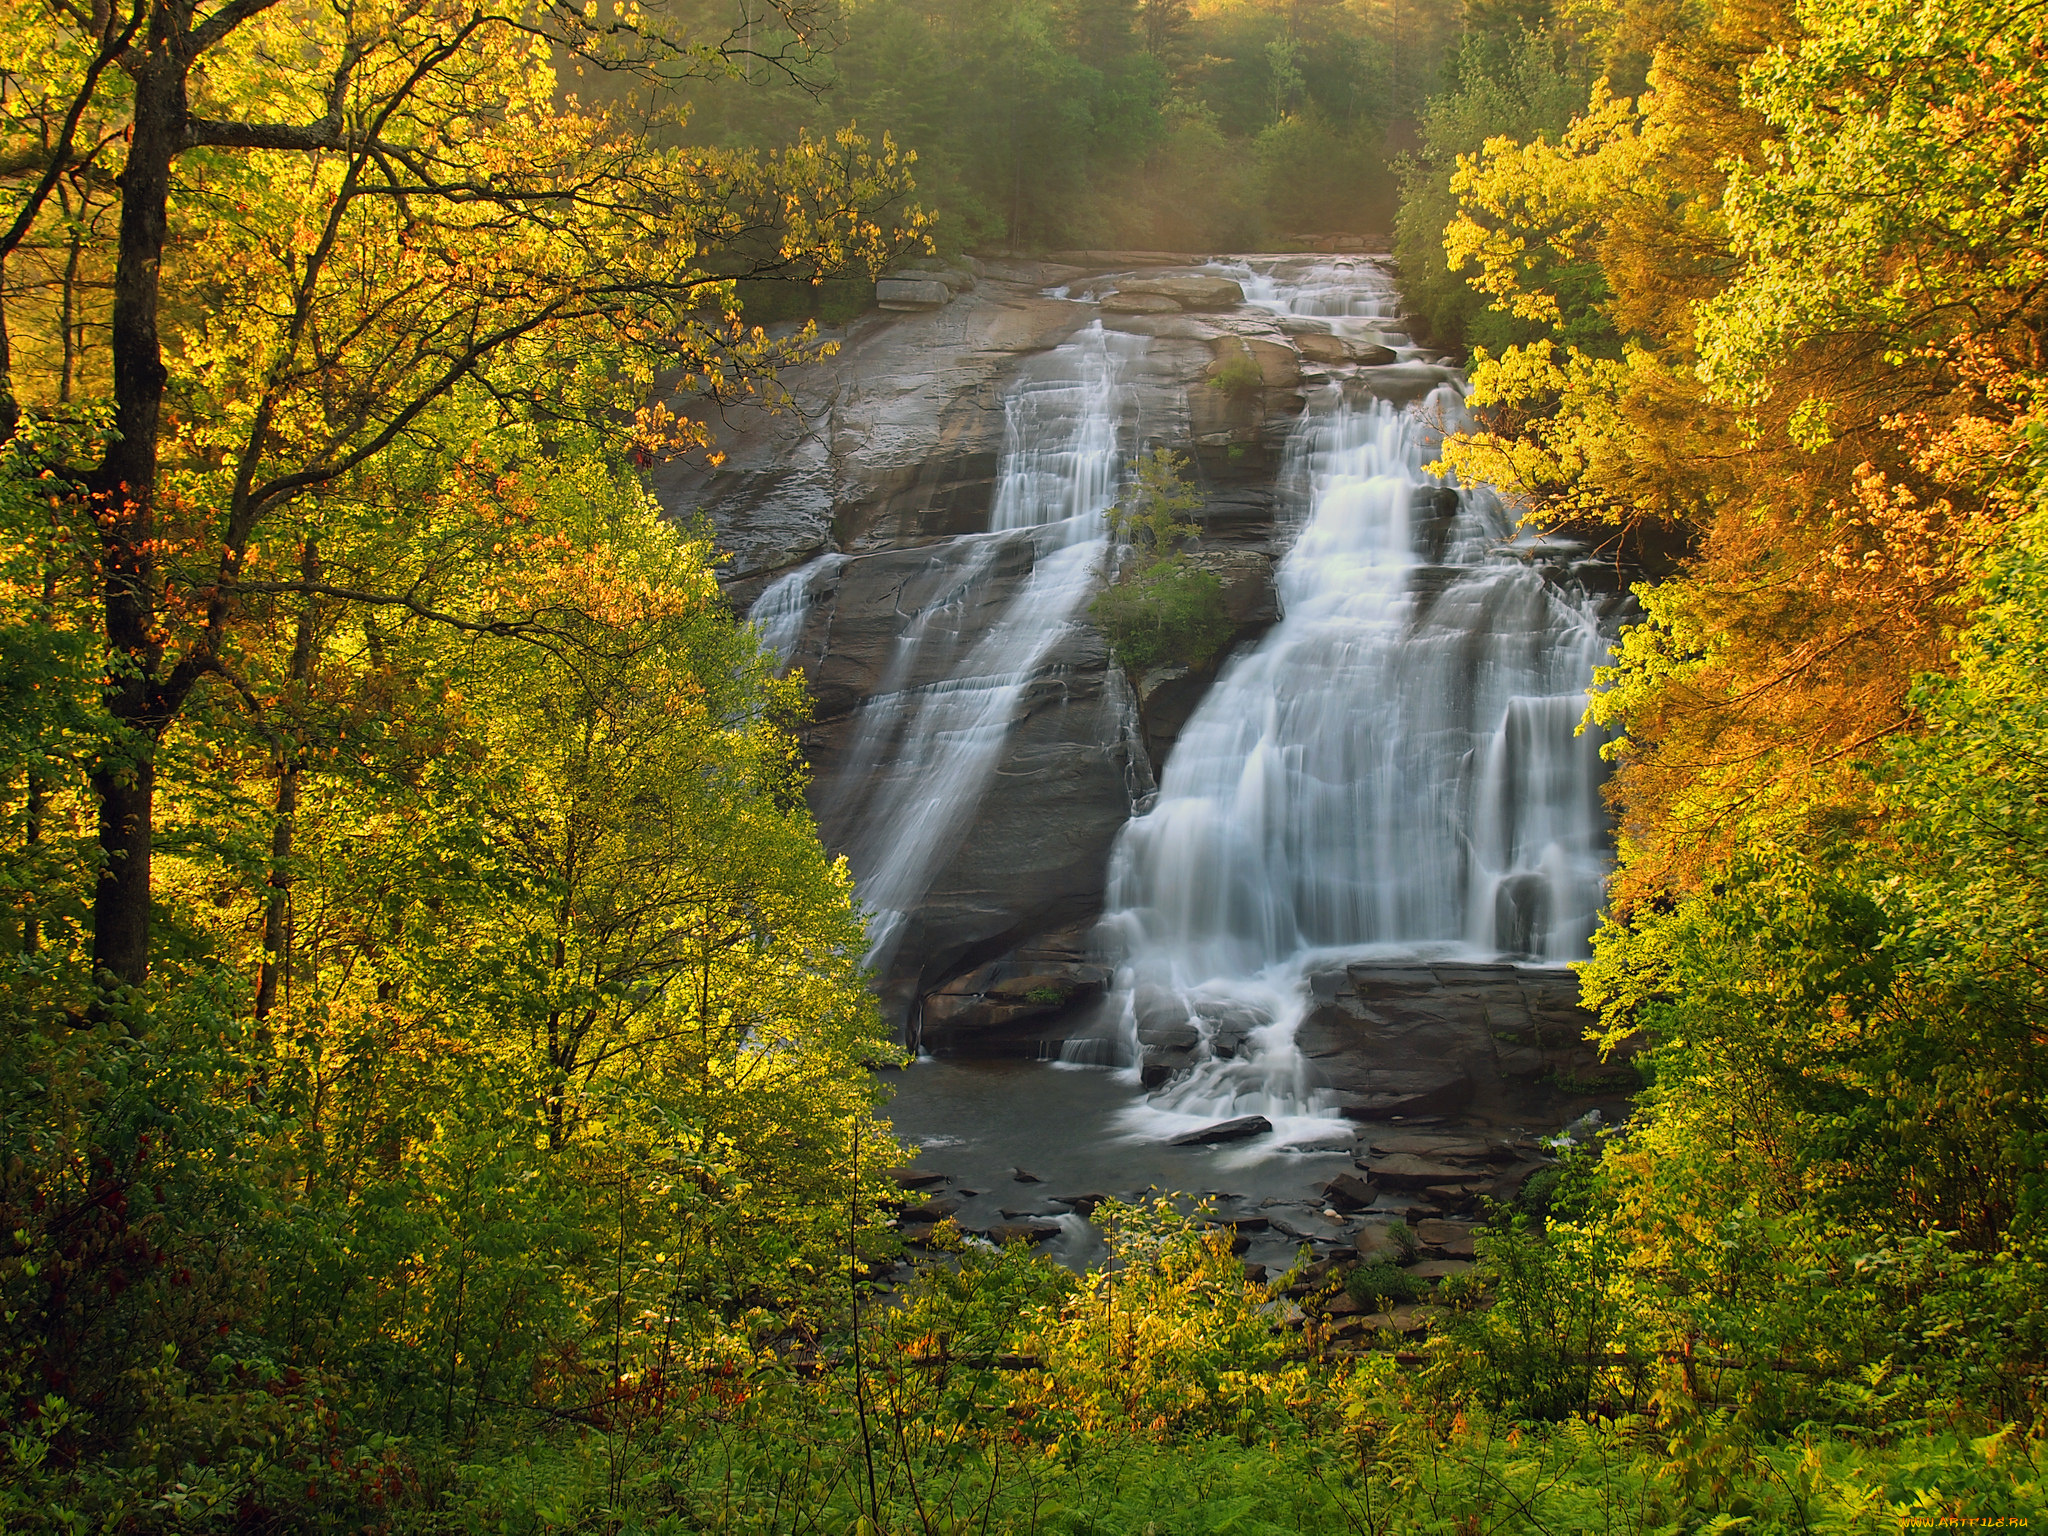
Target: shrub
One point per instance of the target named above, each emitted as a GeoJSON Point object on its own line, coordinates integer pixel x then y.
{"type": "Point", "coordinates": [1380, 1285]}
{"type": "Point", "coordinates": [1546, 1347]}
{"type": "Point", "coordinates": [1239, 377]}
{"type": "Point", "coordinates": [1151, 517]}
{"type": "Point", "coordinates": [1171, 614]}
{"type": "Point", "coordinates": [1165, 611]}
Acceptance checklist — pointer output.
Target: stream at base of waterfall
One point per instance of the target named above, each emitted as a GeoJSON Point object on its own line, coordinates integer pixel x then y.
{"type": "Point", "coordinates": [1392, 774]}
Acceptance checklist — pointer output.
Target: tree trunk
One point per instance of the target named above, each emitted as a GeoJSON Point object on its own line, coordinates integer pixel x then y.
{"type": "Point", "coordinates": [283, 825]}
{"type": "Point", "coordinates": [38, 812]}
{"type": "Point", "coordinates": [124, 777]}
{"type": "Point", "coordinates": [10, 410]}
{"type": "Point", "coordinates": [39, 781]}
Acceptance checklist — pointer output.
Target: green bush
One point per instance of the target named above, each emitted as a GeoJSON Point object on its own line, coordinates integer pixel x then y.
{"type": "Point", "coordinates": [1152, 516]}
{"type": "Point", "coordinates": [1381, 1285]}
{"type": "Point", "coordinates": [1165, 611]}
{"type": "Point", "coordinates": [1172, 614]}
{"type": "Point", "coordinates": [1239, 377]}
{"type": "Point", "coordinates": [1547, 1346]}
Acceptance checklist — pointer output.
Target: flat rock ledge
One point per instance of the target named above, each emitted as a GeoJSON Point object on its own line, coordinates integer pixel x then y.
{"type": "Point", "coordinates": [1196, 291]}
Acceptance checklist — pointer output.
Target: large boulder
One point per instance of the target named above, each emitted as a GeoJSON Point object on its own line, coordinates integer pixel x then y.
{"type": "Point", "coordinates": [1330, 349]}
{"type": "Point", "coordinates": [1451, 1239]}
{"type": "Point", "coordinates": [1401, 383]}
{"type": "Point", "coordinates": [1279, 366]}
{"type": "Point", "coordinates": [1138, 304]}
{"type": "Point", "coordinates": [1033, 995]}
{"type": "Point", "coordinates": [1196, 291]}
{"type": "Point", "coordinates": [1348, 1192]}
{"type": "Point", "coordinates": [912, 293]}
{"type": "Point", "coordinates": [1322, 347]}
{"type": "Point", "coordinates": [1404, 1171]}
{"type": "Point", "coordinates": [1393, 1042]}
{"type": "Point", "coordinates": [1243, 1128]}
{"type": "Point", "coordinates": [957, 279]}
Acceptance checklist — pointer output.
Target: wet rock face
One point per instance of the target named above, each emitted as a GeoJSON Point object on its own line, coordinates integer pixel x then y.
{"type": "Point", "coordinates": [891, 457]}
{"type": "Point", "coordinates": [1398, 1042]}
{"type": "Point", "coordinates": [893, 439]}
{"type": "Point", "coordinates": [1030, 863]}
{"type": "Point", "coordinates": [1167, 697]}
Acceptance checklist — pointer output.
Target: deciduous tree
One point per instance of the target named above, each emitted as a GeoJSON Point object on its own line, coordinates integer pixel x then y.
{"type": "Point", "coordinates": [338, 220]}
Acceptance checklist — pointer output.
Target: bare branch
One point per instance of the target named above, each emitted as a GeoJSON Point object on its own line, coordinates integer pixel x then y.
{"type": "Point", "coordinates": [222, 22]}
{"type": "Point", "coordinates": [325, 134]}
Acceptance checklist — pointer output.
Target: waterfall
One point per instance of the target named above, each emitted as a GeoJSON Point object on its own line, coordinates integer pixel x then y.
{"type": "Point", "coordinates": [1327, 289]}
{"type": "Point", "coordinates": [780, 612]}
{"type": "Point", "coordinates": [924, 753]}
{"type": "Point", "coordinates": [1391, 771]}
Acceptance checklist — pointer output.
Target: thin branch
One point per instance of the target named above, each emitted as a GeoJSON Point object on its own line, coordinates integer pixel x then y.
{"type": "Point", "coordinates": [222, 22]}
{"type": "Point", "coordinates": [110, 49]}
{"type": "Point", "coordinates": [501, 628]}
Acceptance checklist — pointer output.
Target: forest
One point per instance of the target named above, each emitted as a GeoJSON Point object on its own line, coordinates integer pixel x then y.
{"type": "Point", "coordinates": [441, 1087]}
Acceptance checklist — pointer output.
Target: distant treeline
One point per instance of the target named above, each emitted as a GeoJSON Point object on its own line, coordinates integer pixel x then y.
{"type": "Point", "coordinates": [1163, 124]}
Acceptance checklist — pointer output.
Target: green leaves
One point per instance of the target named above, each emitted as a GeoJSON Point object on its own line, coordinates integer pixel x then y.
{"type": "Point", "coordinates": [1163, 610]}
{"type": "Point", "coordinates": [1903, 189]}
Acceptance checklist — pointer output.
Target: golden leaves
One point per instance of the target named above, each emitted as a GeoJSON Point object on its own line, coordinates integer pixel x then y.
{"type": "Point", "coordinates": [1527, 209]}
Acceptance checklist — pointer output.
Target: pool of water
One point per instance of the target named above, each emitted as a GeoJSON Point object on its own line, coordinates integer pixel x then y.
{"type": "Point", "coordinates": [979, 1122]}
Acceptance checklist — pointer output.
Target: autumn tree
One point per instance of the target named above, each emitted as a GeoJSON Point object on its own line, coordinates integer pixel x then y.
{"type": "Point", "coordinates": [1826, 483]}
{"type": "Point", "coordinates": [1783, 309]}
{"type": "Point", "coordinates": [355, 686]}
{"type": "Point", "coordinates": [339, 221]}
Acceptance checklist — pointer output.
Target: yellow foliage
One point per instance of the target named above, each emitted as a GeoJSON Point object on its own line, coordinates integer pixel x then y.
{"type": "Point", "coordinates": [1168, 1340]}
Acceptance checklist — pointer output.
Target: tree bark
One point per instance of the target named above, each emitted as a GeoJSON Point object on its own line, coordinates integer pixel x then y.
{"type": "Point", "coordinates": [10, 409]}
{"type": "Point", "coordinates": [124, 777]}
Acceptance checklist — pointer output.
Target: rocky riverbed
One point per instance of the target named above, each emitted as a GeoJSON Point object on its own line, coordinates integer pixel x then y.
{"type": "Point", "coordinates": [915, 535]}
{"type": "Point", "coordinates": [1446, 1088]}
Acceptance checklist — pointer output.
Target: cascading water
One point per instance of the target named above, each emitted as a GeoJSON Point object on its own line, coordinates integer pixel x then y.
{"type": "Point", "coordinates": [923, 754]}
{"type": "Point", "coordinates": [780, 612]}
{"type": "Point", "coordinates": [1392, 771]}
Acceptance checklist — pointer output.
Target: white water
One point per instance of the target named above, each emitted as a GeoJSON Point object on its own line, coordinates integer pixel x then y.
{"type": "Point", "coordinates": [1392, 771]}
{"type": "Point", "coordinates": [1330, 290]}
{"type": "Point", "coordinates": [924, 753]}
{"type": "Point", "coordinates": [780, 612]}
